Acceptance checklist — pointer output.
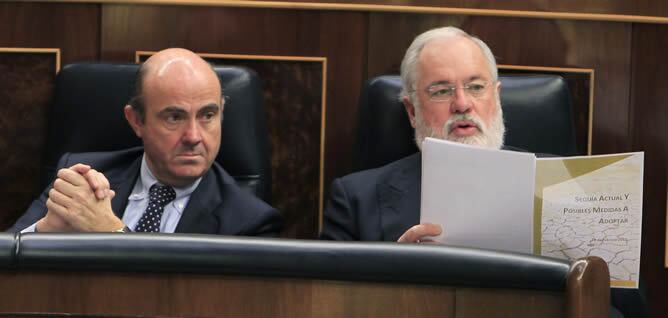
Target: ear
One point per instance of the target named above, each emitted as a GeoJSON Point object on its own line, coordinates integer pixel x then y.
{"type": "Point", "coordinates": [498, 88]}
{"type": "Point", "coordinates": [410, 109]}
{"type": "Point", "coordinates": [133, 119]}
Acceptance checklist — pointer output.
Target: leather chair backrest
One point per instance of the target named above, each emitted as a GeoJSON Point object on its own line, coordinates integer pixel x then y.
{"type": "Point", "coordinates": [327, 260]}
{"type": "Point", "coordinates": [8, 250]}
{"type": "Point", "coordinates": [87, 115]}
{"type": "Point", "coordinates": [536, 109]}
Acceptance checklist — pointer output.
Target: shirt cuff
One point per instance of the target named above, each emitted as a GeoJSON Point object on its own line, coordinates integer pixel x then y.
{"type": "Point", "coordinates": [30, 229]}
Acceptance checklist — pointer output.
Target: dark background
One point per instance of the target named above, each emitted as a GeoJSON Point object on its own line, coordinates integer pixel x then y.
{"type": "Point", "coordinates": [628, 58]}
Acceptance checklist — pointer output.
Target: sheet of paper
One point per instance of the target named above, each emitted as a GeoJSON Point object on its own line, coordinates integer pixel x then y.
{"type": "Point", "coordinates": [482, 198]}
{"type": "Point", "coordinates": [593, 206]}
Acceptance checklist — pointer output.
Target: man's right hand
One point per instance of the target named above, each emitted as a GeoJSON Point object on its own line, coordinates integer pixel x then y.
{"type": "Point", "coordinates": [99, 184]}
{"type": "Point", "coordinates": [52, 222]}
{"type": "Point", "coordinates": [73, 200]}
{"type": "Point", "coordinates": [421, 233]}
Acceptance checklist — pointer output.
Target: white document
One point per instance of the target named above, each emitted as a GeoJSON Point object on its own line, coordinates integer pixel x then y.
{"type": "Point", "coordinates": [481, 198]}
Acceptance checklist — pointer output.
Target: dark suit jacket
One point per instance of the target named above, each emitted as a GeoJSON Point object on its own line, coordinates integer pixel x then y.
{"type": "Point", "coordinates": [375, 205]}
{"type": "Point", "coordinates": [381, 204]}
{"type": "Point", "coordinates": [217, 206]}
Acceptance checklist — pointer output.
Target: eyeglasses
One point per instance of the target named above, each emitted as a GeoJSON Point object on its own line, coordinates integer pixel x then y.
{"type": "Point", "coordinates": [446, 93]}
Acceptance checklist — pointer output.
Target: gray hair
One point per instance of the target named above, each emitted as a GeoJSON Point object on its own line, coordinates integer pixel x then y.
{"type": "Point", "coordinates": [409, 63]}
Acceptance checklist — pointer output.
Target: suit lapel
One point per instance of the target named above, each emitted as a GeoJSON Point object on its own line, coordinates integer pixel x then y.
{"type": "Point", "coordinates": [122, 184]}
{"type": "Point", "coordinates": [197, 217]}
{"type": "Point", "coordinates": [399, 198]}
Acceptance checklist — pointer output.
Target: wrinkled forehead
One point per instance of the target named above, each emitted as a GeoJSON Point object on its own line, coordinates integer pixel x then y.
{"type": "Point", "coordinates": [453, 59]}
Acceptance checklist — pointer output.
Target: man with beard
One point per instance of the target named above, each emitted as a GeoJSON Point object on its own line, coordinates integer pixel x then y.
{"type": "Point", "coordinates": [450, 91]}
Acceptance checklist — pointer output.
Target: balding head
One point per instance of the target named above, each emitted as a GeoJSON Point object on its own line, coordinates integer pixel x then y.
{"type": "Point", "coordinates": [173, 63]}
{"type": "Point", "coordinates": [177, 113]}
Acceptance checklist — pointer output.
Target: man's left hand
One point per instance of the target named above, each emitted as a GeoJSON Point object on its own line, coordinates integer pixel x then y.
{"type": "Point", "coordinates": [97, 181]}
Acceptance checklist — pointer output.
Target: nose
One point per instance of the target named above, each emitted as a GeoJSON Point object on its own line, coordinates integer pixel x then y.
{"type": "Point", "coordinates": [461, 102]}
{"type": "Point", "coordinates": [192, 134]}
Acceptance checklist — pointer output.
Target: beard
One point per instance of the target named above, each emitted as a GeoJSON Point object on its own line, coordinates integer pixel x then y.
{"type": "Point", "coordinates": [490, 137]}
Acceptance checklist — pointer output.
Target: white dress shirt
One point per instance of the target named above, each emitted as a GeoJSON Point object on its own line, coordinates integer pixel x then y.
{"type": "Point", "coordinates": [138, 201]}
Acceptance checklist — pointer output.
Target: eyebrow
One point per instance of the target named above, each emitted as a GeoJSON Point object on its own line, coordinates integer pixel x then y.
{"type": "Point", "coordinates": [439, 83]}
{"type": "Point", "coordinates": [445, 82]}
{"type": "Point", "coordinates": [172, 109]}
{"type": "Point", "coordinates": [177, 109]}
{"type": "Point", "coordinates": [209, 107]}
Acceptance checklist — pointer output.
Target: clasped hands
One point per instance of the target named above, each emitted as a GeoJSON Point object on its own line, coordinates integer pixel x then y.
{"type": "Point", "coordinates": [80, 201]}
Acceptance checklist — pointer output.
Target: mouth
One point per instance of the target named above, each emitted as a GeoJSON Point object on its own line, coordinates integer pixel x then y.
{"type": "Point", "coordinates": [189, 155]}
{"type": "Point", "coordinates": [462, 128]}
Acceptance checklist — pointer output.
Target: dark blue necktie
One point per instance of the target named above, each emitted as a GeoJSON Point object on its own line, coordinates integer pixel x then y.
{"type": "Point", "coordinates": [158, 197]}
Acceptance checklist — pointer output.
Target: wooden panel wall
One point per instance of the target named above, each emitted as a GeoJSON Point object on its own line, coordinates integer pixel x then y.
{"type": "Point", "coordinates": [74, 28]}
{"type": "Point", "coordinates": [293, 94]}
{"type": "Point", "coordinates": [649, 129]}
{"type": "Point", "coordinates": [631, 99]}
{"type": "Point", "coordinates": [634, 7]}
{"type": "Point", "coordinates": [125, 295]}
{"type": "Point", "coordinates": [26, 87]}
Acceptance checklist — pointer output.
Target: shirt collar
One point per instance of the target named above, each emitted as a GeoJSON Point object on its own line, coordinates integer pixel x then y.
{"type": "Point", "coordinates": [147, 180]}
